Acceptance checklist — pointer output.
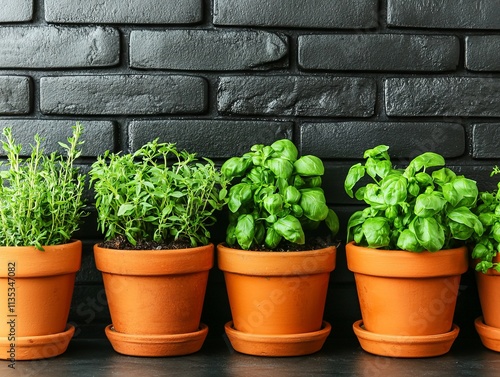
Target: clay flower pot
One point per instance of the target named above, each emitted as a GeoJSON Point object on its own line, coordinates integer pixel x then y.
{"type": "Point", "coordinates": [155, 299]}
{"type": "Point", "coordinates": [488, 325]}
{"type": "Point", "coordinates": [277, 299]}
{"type": "Point", "coordinates": [36, 300]}
{"type": "Point", "coordinates": [407, 300]}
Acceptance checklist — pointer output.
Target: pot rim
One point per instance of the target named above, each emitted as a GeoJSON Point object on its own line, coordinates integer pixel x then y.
{"type": "Point", "coordinates": [247, 262]}
{"type": "Point", "coordinates": [402, 264]}
{"type": "Point", "coordinates": [30, 262]}
{"type": "Point", "coordinates": [154, 262]}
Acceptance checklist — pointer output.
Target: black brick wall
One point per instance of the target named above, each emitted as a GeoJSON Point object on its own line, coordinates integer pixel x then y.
{"type": "Point", "coordinates": [217, 76]}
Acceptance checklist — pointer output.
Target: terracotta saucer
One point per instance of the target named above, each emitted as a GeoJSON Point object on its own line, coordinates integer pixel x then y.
{"type": "Point", "coordinates": [490, 336]}
{"type": "Point", "coordinates": [405, 346]}
{"type": "Point", "coordinates": [277, 345]}
{"type": "Point", "coordinates": [36, 347]}
{"type": "Point", "coordinates": [157, 345]}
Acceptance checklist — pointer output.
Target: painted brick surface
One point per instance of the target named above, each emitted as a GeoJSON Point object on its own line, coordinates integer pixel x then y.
{"type": "Point", "coordinates": [99, 136]}
{"type": "Point", "coordinates": [297, 95]}
{"type": "Point", "coordinates": [207, 50]}
{"type": "Point", "coordinates": [297, 13]}
{"type": "Point", "coordinates": [370, 52]}
{"type": "Point", "coordinates": [482, 52]}
{"type": "Point", "coordinates": [209, 138]}
{"type": "Point", "coordinates": [485, 138]}
{"type": "Point", "coordinates": [449, 14]}
{"type": "Point", "coordinates": [15, 95]}
{"type": "Point", "coordinates": [16, 10]}
{"type": "Point", "coordinates": [442, 96]}
{"type": "Point", "coordinates": [118, 11]}
{"type": "Point", "coordinates": [122, 94]}
{"type": "Point", "coordinates": [351, 139]}
{"type": "Point", "coordinates": [51, 47]}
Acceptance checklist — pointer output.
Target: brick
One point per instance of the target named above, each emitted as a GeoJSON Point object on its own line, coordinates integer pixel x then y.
{"type": "Point", "coordinates": [297, 13]}
{"type": "Point", "coordinates": [485, 138]}
{"type": "Point", "coordinates": [16, 10]}
{"type": "Point", "coordinates": [117, 11]}
{"type": "Point", "coordinates": [371, 51]}
{"type": "Point", "coordinates": [296, 95]}
{"type": "Point", "coordinates": [99, 136]}
{"type": "Point", "coordinates": [207, 50]}
{"type": "Point", "coordinates": [58, 47]}
{"type": "Point", "coordinates": [209, 138]}
{"type": "Point", "coordinates": [442, 96]}
{"type": "Point", "coordinates": [444, 14]}
{"type": "Point", "coordinates": [122, 94]}
{"type": "Point", "coordinates": [482, 53]}
{"type": "Point", "coordinates": [351, 139]}
{"type": "Point", "coordinates": [15, 95]}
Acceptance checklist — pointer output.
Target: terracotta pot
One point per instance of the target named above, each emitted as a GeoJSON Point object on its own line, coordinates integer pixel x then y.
{"type": "Point", "coordinates": [37, 298]}
{"type": "Point", "coordinates": [155, 292]}
{"type": "Point", "coordinates": [488, 326]}
{"type": "Point", "coordinates": [407, 294]}
{"type": "Point", "coordinates": [276, 294]}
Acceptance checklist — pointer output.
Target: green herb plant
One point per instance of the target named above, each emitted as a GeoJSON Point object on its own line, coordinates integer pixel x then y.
{"type": "Point", "coordinates": [277, 197]}
{"type": "Point", "coordinates": [157, 194]}
{"type": "Point", "coordinates": [412, 209]}
{"type": "Point", "coordinates": [41, 196]}
{"type": "Point", "coordinates": [487, 245]}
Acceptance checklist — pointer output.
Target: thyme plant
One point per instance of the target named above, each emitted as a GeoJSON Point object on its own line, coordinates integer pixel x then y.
{"type": "Point", "coordinates": [157, 194]}
{"type": "Point", "coordinates": [41, 196]}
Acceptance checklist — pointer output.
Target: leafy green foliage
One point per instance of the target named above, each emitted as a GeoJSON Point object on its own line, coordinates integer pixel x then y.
{"type": "Point", "coordinates": [157, 194]}
{"type": "Point", "coordinates": [487, 245]}
{"type": "Point", "coordinates": [41, 195]}
{"type": "Point", "coordinates": [277, 198]}
{"type": "Point", "coordinates": [411, 209]}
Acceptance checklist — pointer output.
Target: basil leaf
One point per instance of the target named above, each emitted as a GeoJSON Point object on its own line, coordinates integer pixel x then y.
{"type": "Point", "coordinates": [245, 231]}
{"type": "Point", "coordinates": [332, 222]}
{"type": "Point", "coordinates": [464, 216]}
{"type": "Point", "coordinates": [443, 176]}
{"type": "Point", "coordinates": [355, 173]}
{"type": "Point", "coordinates": [235, 167]}
{"type": "Point", "coordinates": [427, 205]}
{"type": "Point", "coordinates": [286, 149]}
{"type": "Point", "coordinates": [467, 190]}
{"type": "Point", "coordinates": [313, 203]}
{"type": "Point", "coordinates": [291, 229]}
{"type": "Point", "coordinates": [379, 151]}
{"type": "Point", "coordinates": [429, 233]}
{"type": "Point", "coordinates": [427, 160]}
{"type": "Point", "coordinates": [272, 239]}
{"type": "Point", "coordinates": [281, 167]}
{"type": "Point", "coordinates": [239, 194]}
{"type": "Point", "coordinates": [292, 195]}
{"type": "Point", "coordinates": [356, 219]}
{"type": "Point", "coordinates": [374, 196]}
{"type": "Point", "coordinates": [377, 232]}
{"type": "Point", "coordinates": [394, 188]}
{"type": "Point", "coordinates": [309, 166]}
{"type": "Point", "coordinates": [408, 241]}
{"type": "Point", "coordinates": [273, 203]}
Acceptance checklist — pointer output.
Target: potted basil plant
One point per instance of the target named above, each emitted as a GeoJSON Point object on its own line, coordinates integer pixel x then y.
{"type": "Point", "coordinates": [276, 277]}
{"type": "Point", "coordinates": [407, 251]}
{"type": "Point", "coordinates": [487, 267]}
{"type": "Point", "coordinates": [41, 208]}
{"type": "Point", "coordinates": [155, 207]}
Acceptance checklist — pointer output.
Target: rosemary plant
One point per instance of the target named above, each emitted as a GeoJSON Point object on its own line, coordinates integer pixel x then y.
{"type": "Point", "coordinates": [41, 196]}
